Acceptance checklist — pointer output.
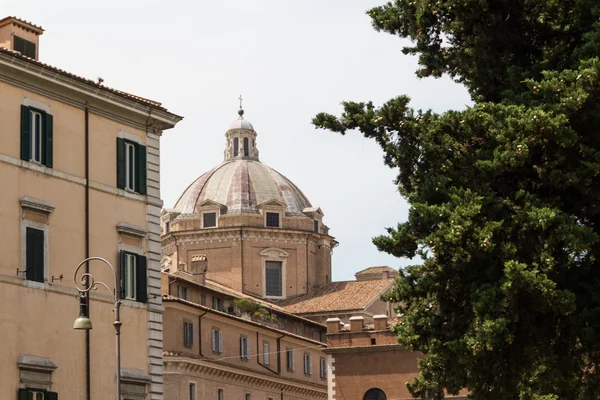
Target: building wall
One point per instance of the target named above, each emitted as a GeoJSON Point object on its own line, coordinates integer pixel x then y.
{"type": "Point", "coordinates": [240, 266]}
{"type": "Point", "coordinates": [226, 369]}
{"type": "Point", "coordinates": [40, 317]}
{"type": "Point", "coordinates": [388, 370]}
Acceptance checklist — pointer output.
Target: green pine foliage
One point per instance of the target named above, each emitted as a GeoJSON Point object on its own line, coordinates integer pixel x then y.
{"type": "Point", "coordinates": [504, 196]}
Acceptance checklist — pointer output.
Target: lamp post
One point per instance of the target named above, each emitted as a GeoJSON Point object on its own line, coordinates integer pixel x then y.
{"type": "Point", "coordinates": [84, 323]}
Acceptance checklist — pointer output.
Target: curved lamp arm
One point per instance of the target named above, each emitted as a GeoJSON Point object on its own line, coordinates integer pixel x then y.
{"type": "Point", "coordinates": [87, 279]}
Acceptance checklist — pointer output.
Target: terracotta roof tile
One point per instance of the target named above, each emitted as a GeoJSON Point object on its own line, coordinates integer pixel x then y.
{"type": "Point", "coordinates": [84, 80]}
{"type": "Point", "coordinates": [338, 296]}
{"type": "Point", "coordinates": [376, 270]}
{"type": "Point", "coordinates": [217, 287]}
{"type": "Point", "coordinates": [24, 24]}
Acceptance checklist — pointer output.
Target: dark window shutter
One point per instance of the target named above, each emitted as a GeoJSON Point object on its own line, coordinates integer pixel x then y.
{"type": "Point", "coordinates": [34, 263]}
{"type": "Point", "coordinates": [51, 396]}
{"type": "Point", "coordinates": [122, 274]}
{"type": "Point", "coordinates": [120, 163]}
{"type": "Point", "coordinates": [141, 169]}
{"type": "Point", "coordinates": [25, 134]}
{"type": "Point", "coordinates": [48, 134]}
{"type": "Point", "coordinates": [22, 394]}
{"type": "Point", "coordinates": [141, 284]}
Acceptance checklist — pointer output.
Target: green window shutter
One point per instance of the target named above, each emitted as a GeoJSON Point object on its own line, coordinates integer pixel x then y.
{"type": "Point", "coordinates": [34, 263]}
{"type": "Point", "coordinates": [25, 133]}
{"type": "Point", "coordinates": [120, 163]}
{"type": "Point", "coordinates": [141, 284]}
{"type": "Point", "coordinates": [122, 274]}
{"type": "Point", "coordinates": [47, 139]}
{"type": "Point", "coordinates": [22, 394]}
{"type": "Point", "coordinates": [51, 396]}
{"type": "Point", "coordinates": [141, 169]}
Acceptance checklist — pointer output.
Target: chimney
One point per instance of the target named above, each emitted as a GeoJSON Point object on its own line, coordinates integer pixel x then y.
{"type": "Point", "coordinates": [386, 274]}
{"type": "Point", "coordinates": [198, 268]}
{"type": "Point", "coordinates": [19, 35]}
{"type": "Point", "coordinates": [357, 323]}
{"type": "Point", "coordinates": [333, 325]}
{"type": "Point", "coordinates": [380, 322]}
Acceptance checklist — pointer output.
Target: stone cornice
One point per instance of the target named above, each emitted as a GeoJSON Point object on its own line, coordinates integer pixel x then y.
{"type": "Point", "coordinates": [248, 233]}
{"type": "Point", "coordinates": [131, 230]}
{"type": "Point", "coordinates": [29, 203]}
{"type": "Point", "coordinates": [208, 368]}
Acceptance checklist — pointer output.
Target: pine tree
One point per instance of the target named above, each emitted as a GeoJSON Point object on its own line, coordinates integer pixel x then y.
{"type": "Point", "coordinates": [504, 196]}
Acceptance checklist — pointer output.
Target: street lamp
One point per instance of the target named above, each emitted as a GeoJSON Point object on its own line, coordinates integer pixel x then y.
{"type": "Point", "coordinates": [84, 323]}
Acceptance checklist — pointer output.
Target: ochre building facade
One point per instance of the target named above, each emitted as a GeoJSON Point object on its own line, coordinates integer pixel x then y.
{"type": "Point", "coordinates": [79, 169]}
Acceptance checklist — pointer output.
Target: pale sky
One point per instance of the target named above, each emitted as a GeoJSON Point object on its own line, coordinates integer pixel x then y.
{"type": "Point", "coordinates": [288, 59]}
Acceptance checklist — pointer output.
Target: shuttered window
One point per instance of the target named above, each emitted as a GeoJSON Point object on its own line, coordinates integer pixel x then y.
{"type": "Point", "coordinates": [24, 47]}
{"type": "Point", "coordinates": [307, 364]}
{"type": "Point", "coordinates": [37, 136]}
{"type": "Point", "coordinates": [290, 359]}
{"type": "Point", "coordinates": [133, 276]}
{"type": "Point", "coordinates": [34, 263]}
{"type": "Point", "coordinates": [131, 166]}
{"type": "Point", "coordinates": [266, 353]}
{"type": "Point", "coordinates": [217, 340]}
{"type": "Point", "coordinates": [188, 333]}
{"type": "Point", "coordinates": [323, 368]}
{"type": "Point", "coordinates": [244, 348]}
{"type": "Point", "coordinates": [273, 278]}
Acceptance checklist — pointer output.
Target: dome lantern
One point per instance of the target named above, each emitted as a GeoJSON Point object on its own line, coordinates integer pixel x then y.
{"type": "Point", "coordinates": [241, 139]}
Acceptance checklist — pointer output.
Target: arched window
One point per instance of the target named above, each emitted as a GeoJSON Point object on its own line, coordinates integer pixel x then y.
{"type": "Point", "coordinates": [375, 394]}
{"type": "Point", "coordinates": [236, 145]}
{"type": "Point", "coordinates": [246, 147]}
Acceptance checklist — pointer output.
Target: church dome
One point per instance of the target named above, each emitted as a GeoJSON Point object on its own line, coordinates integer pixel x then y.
{"type": "Point", "coordinates": [242, 182]}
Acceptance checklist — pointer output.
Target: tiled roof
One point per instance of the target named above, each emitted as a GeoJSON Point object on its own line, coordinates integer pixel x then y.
{"type": "Point", "coordinates": [167, 297]}
{"type": "Point", "coordinates": [338, 296]}
{"type": "Point", "coordinates": [376, 270]}
{"type": "Point", "coordinates": [217, 287]}
{"type": "Point", "coordinates": [24, 24]}
{"type": "Point", "coordinates": [83, 80]}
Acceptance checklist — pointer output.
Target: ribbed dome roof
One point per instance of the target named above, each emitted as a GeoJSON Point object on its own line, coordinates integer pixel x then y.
{"type": "Point", "coordinates": [241, 185]}
{"type": "Point", "coordinates": [240, 123]}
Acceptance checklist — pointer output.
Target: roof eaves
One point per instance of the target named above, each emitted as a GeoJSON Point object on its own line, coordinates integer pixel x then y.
{"type": "Point", "coordinates": [89, 82]}
{"type": "Point", "coordinates": [169, 298]}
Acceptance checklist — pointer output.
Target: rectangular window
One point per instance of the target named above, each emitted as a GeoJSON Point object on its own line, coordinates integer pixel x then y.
{"type": "Point", "coordinates": [188, 333]}
{"type": "Point", "coordinates": [209, 219]}
{"type": "Point", "coordinates": [220, 394]}
{"type": "Point", "coordinates": [203, 299]}
{"type": "Point", "coordinates": [217, 303]}
{"type": "Point", "coordinates": [183, 293]}
{"type": "Point", "coordinates": [24, 47]}
{"type": "Point", "coordinates": [273, 219]}
{"type": "Point", "coordinates": [167, 227]}
{"type": "Point", "coordinates": [37, 394]}
{"type": "Point", "coordinates": [36, 136]}
{"type": "Point", "coordinates": [273, 278]}
{"type": "Point", "coordinates": [323, 369]}
{"type": "Point", "coordinates": [34, 263]}
{"type": "Point", "coordinates": [244, 348]}
{"type": "Point", "coordinates": [290, 359]}
{"type": "Point", "coordinates": [247, 397]}
{"type": "Point", "coordinates": [131, 166]}
{"type": "Point", "coordinates": [133, 276]}
{"type": "Point", "coordinates": [266, 353]}
{"type": "Point", "coordinates": [307, 364]}
{"type": "Point", "coordinates": [316, 226]}
{"type": "Point", "coordinates": [217, 340]}
{"type": "Point", "coordinates": [192, 391]}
